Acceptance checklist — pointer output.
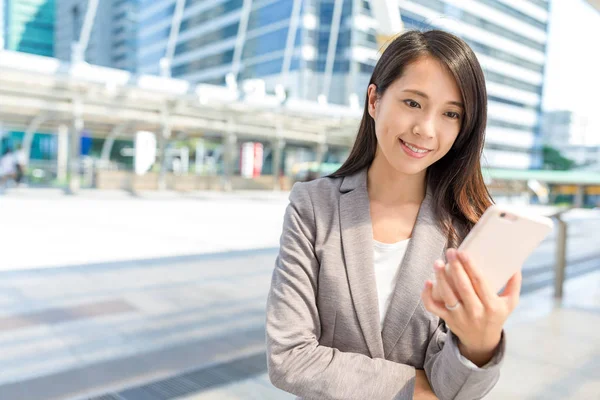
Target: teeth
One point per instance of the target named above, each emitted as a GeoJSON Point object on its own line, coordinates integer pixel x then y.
{"type": "Point", "coordinates": [414, 148]}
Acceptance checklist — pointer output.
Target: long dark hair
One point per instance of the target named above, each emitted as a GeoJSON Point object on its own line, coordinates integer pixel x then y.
{"type": "Point", "coordinates": [459, 193]}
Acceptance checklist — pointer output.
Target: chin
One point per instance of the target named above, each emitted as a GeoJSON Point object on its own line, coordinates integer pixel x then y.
{"type": "Point", "coordinates": [414, 169]}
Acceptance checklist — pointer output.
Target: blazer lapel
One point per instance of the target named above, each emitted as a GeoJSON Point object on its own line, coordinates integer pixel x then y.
{"type": "Point", "coordinates": [357, 244]}
{"type": "Point", "coordinates": [427, 244]}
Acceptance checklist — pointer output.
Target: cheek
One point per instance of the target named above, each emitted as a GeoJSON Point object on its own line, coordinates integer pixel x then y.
{"type": "Point", "coordinates": [389, 124]}
{"type": "Point", "coordinates": [446, 141]}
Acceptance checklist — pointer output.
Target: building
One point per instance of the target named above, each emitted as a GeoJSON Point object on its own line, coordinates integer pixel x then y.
{"type": "Point", "coordinates": [113, 37]}
{"type": "Point", "coordinates": [566, 128]}
{"type": "Point", "coordinates": [27, 26]}
{"type": "Point", "coordinates": [508, 36]}
{"type": "Point", "coordinates": [208, 36]}
{"type": "Point", "coordinates": [576, 136]}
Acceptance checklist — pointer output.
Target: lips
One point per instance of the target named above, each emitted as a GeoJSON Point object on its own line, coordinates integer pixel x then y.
{"type": "Point", "coordinates": [415, 148]}
{"type": "Point", "coordinates": [413, 151]}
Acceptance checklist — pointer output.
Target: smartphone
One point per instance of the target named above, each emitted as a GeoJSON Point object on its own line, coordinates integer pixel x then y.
{"type": "Point", "coordinates": [502, 240]}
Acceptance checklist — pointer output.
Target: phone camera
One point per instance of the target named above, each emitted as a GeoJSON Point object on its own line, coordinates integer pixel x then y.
{"type": "Point", "coordinates": [502, 215]}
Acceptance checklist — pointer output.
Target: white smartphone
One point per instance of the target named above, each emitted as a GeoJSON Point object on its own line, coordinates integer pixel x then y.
{"type": "Point", "coordinates": [502, 240]}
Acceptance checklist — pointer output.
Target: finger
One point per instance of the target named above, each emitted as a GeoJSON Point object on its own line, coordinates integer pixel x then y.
{"type": "Point", "coordinates": [480, 284]}
{"type": "Point", "coordinates": [430, 304]}
{"type": "Point", "coordinates": [461, 282]}
{"type": "Point", "coordinates": [446, 292]}
{"type": "Point", "coordinates": [512, 291]}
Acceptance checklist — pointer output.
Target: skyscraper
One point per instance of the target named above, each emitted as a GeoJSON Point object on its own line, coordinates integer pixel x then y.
{"type": "Point", "coordinates": [113, 37]}
{"type": "Point", "coordinates": [28, 26]}
{"type": "Point", "coordinates": [508, 36]}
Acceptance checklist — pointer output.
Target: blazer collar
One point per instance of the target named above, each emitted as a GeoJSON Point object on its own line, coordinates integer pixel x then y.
{"type": "Point", "coordinates": [427, 244]}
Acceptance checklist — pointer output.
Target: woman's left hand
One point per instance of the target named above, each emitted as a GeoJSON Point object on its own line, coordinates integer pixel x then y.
{"type": "Point", "coordinates": [470, 308]}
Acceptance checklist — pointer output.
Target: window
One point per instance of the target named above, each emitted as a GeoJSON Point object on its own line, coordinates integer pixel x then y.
{"type": "Point", "coordinates": [155, 37]}
{"type": "Point", "coordinates": [516, 13]}
{"type": "Point", "coordinates": [268, 43]}
{"type": "Point", "coordinates": [204, 63]}
{"type": "Point", "coordinates": [512, 102]}
{"type": "Point", "coordinates": [516, 83]}
{"type": "Point", "coordinates": [160, 16]}
{"type": "Point", "coordinates": [343, 41]}
{"type": "Point", "coordinates": [504, 56]}
{"type": "Point", "coordinates": [338, 66]}
{"type": "Point", "coordinates": [541, 3]}
{"type": "Point", "coordinates": [509, 125]}
{"type": "Point", "coordinates": [210, 14]}
{"type": "Point", "coordinates": [366, 68]}
{"type": "Point", "coordinates": [218, 35]}
{"type": "Point", "coordinates": [268, 15]}
{"type": "Point", "coordinates": [465, 16]}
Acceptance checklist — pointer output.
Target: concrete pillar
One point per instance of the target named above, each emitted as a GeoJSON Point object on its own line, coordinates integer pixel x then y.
{"type": "Point", "coordinates": [321, 151]}
{"type": "Point", "coordinates": [185, 160]}
{"type": "Point", "coordinates": [229, 147]}
{"type": "Point", "coordinates": [579, 197]}
{"type": "Point", "coordinates": [162, 159]}
{"type": "Point", "coordinates": [277, 145]}
{"type": "Point", "coordinates": [62, 154]}
{"type": "Point", "coordinates": [561, 257]}
{"type": "Point", "coordinates": [199, 159]}
{"type": "Point", "coordinates": [74, 179]}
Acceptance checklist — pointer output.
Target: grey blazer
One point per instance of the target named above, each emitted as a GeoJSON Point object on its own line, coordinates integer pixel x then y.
{"type": "Point", "coordinates": [323, 332]}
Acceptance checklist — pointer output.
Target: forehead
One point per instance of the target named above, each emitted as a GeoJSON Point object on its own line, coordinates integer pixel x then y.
{"type": "Point", "coordinates": [429, 75]}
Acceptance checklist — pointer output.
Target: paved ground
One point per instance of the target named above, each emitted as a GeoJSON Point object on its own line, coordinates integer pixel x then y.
{"type": "Point", "coordinates": [165, 294]}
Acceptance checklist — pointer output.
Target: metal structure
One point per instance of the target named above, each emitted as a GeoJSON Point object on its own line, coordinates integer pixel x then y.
{"type": "Point", "coordinates": [165, 63]}
{"type": "Point", "coordinates": [389, 22]}
{"type": "Point", "coordinates": [336, 19]}
{"type": "Point", "coordinates": [80, 47]}
{"type": "Point", "coordinates": [40, 94]}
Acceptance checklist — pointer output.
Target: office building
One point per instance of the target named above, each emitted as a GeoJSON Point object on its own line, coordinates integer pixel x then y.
{"type": "Point", "coordinates": [28, 26]}
{"type": "Point", "coordinates": [508, 36]}
{"type": "Point", "coordinates": [113, 37]}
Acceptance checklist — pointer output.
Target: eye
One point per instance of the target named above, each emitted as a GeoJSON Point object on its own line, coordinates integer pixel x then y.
{"type": "Point", "coordinates": [453, 115]}
{"type": "Point", "coordinates": [412, 103]}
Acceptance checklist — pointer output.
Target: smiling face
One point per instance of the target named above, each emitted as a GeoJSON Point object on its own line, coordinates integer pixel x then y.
{"type": "Point", "coordinates": [418, 118]}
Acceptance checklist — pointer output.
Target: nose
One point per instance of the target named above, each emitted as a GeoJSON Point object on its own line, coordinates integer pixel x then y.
{"type": "Point", "coordinates": [424, 127]}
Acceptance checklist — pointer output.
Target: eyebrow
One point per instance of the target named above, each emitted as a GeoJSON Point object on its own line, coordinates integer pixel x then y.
{"type": "Point", "coordinates": [419, 93]}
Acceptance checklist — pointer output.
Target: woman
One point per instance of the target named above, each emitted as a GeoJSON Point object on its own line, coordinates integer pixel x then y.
{"type": "Point", "coordinates": [353, 312]}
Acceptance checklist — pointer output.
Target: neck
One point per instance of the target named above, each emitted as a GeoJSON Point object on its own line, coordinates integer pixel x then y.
{"type": "Point", "coordinates": [387, 185]}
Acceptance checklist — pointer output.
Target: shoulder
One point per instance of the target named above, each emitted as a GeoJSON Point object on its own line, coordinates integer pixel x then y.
{"type": "Point", "coordinates": [318, 192]}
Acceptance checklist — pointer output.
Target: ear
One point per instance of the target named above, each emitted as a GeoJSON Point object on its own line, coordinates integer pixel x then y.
{"type": "Point", "coordinates": [372, 99]}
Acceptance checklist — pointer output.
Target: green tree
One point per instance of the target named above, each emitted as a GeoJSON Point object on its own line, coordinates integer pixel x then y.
{"type": "Point", "coordinates": [555, 161]}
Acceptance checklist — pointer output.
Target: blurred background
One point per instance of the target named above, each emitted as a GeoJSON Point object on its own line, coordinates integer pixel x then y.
{"type": "Point", "coordinates": [147, 151]}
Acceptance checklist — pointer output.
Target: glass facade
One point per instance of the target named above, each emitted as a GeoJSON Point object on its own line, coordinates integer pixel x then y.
{"type": "Point", "coordinates": [510, 41]}
{"type": "Point", "coordinates": [29, 26]}
{"type": "Point", "coordinates": [124, 35]}
{"type": "Point", "coordinates": [207, 37]}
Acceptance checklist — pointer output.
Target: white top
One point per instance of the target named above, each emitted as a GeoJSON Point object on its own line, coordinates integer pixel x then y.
{"type": "Point", "coordinates": [388, 258]}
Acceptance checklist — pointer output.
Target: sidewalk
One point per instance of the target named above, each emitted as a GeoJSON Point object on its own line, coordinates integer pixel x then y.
{"type": "Point", "coordinates": [553, 351]}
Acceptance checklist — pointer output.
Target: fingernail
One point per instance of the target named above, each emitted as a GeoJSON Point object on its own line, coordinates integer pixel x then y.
{"type": "Point", "coordinates": [439, 265]}
{"type": "Point", "coordinates": [451, 255]}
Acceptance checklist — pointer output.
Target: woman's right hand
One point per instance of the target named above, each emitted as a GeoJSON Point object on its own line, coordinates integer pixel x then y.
{"type": "Point", "coordinates": [422, 388]}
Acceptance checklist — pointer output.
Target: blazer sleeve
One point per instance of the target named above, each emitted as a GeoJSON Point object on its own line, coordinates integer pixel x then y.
{"type": "Point", "coordinates": [297, 363]}
{"type": "Point", "coordinates": [453, 378]}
